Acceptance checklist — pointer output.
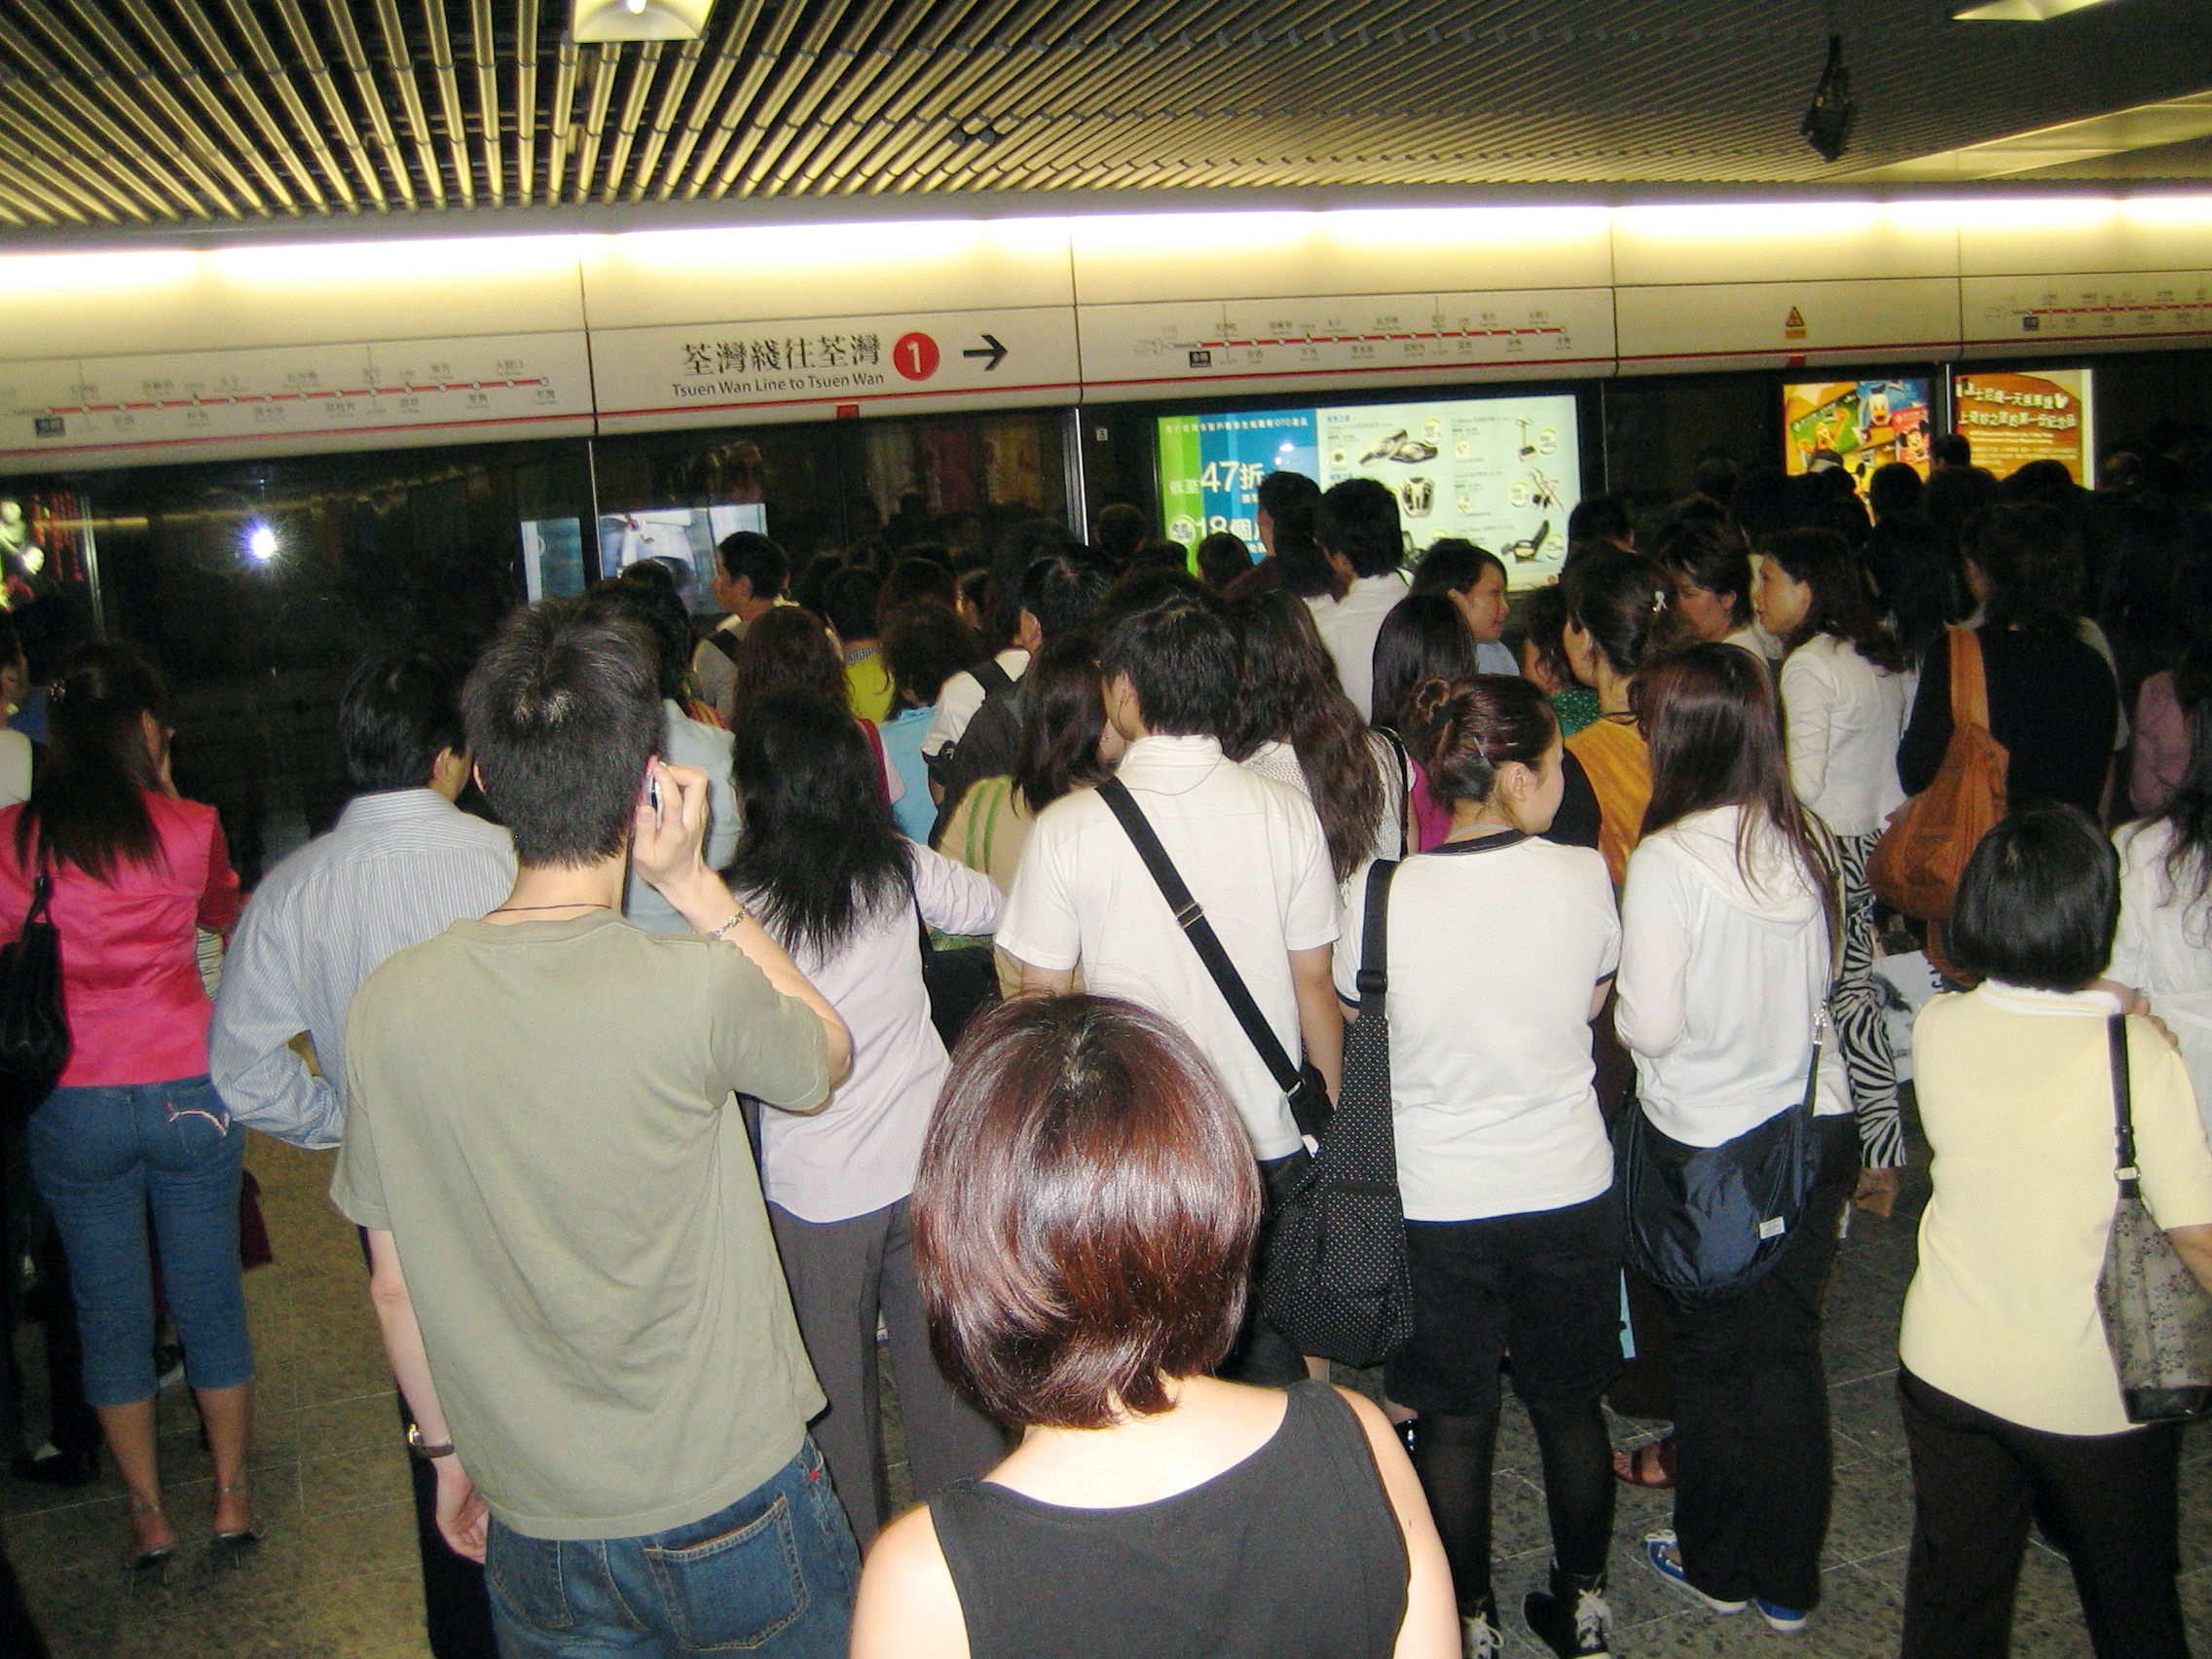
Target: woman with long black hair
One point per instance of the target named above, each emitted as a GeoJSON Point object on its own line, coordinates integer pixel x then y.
{"type": "Point", "coordinates": [1297, 727]}
{"type": "Point", "coordinates": [824, 866]}
{"type": "Point", "coordinates": [1844, 698]}
{"type": "Point", "coordinates": [135, 1123]}
{"type": "Point", "coordinates": [2164, 946]}
{"type": "Point", "coordinates": [1725, 961]}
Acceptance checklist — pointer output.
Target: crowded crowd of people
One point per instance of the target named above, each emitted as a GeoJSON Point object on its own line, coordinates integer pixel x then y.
{"type": "Point", "coordinates": [991, 968]}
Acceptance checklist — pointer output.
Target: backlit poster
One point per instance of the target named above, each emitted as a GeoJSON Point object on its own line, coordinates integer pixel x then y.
{"type": "Point", "coordinates": [1210, 468]}
{"type": "Point", "coordinates": [2013, 419]}
{"type": "Point", "coordinates": [1864, 423]}
{"type": "Point", "coordinates": [1502, 472]}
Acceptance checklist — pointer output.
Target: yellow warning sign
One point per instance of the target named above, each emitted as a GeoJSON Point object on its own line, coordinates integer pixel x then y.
{"type": "Point", "coordinates": [1793, 325]}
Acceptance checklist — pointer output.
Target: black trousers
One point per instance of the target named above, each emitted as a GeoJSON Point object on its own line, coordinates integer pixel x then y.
{"type": "Point", "coordinates": [1752, 1464]}
{"type": "Point", "coordinates": [457, 1611]}
{"type": "Point", "coordinates": [1264, 1356]}
{"type": "Point", "coordinates": [2107, 1500]}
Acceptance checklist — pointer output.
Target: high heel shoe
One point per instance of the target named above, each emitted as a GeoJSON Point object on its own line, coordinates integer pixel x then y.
{"type": "Point", "coordinates": [233, 1548]}
{"type": "Point", "coordinates": [148, 1567]}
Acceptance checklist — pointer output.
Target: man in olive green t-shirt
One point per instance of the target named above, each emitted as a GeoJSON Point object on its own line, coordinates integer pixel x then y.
{"type": "Point", "coordinates": [591, 1325]}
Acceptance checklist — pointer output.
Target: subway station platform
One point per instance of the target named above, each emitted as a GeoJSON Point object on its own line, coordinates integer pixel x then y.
{"type": "Point", "coordinates": [337, 1577]}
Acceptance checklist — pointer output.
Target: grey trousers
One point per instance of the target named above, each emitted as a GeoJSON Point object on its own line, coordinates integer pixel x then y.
{"type": "Point", "coordinates": [842, 1274]}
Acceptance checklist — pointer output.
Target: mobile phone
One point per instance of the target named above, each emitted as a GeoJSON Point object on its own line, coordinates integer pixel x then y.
{"type": "Point", "coordinates": [652, 794]}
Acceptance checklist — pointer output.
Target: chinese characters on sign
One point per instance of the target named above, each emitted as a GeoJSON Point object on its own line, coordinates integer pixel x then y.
{"type": "Point", "coordinates": [2014, 419]}
{"type": "Point", "coordinates": [782, 354]}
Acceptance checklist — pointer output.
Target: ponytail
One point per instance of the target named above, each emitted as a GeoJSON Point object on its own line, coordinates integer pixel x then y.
{"type": "Point", "coordinates": [1465, 730]}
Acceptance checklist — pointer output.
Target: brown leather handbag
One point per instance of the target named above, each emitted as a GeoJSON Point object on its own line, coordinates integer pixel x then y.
{"type": "Point", "coordinates": [1915, 866]}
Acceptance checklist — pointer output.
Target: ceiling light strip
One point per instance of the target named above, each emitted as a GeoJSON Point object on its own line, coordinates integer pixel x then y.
{"type": "Point", "coordinates": [483, 47]}
{"type": "Point", "coordinates": [400, 64]}
{"type": "Point", "coordinates": [371, 98]}
{"type": "Point", "coordinates": [440, 40]}
{"type": "Point", "coordinates": [268, 163]}
{"type": "Point", "coordinates": [182, 66]}
{"type": "Point", "coordinates": [185, 197]}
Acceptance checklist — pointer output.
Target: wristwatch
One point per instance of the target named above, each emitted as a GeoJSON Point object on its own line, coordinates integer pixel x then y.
{"type": "Point", "coordinates": [425, 1454]}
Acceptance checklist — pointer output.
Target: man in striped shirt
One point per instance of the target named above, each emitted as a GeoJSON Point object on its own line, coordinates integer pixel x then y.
{"type": "Point", "coordinates": [401, 864]}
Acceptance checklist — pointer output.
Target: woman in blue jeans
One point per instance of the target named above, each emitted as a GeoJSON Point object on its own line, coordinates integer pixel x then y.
{"type": "Point", "coordinates": [135, 1124]}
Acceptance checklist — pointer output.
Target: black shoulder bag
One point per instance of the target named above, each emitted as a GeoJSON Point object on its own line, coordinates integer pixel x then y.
{"type": "Point", "coordinates": [1309, 1094]}
{"type": "Point", "coordinates": [1706, 1223]}
{"type": "Point", "coordinates": [2157, 1318]}
{"type": "Point", "coordinates": [1336, 1281]}
{"type": "Point", "coordinates": [34, 1028]}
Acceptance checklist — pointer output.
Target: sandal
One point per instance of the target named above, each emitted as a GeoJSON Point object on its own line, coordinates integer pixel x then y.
{"type": "Point", "coordinates": [232, 1548]}
{"type": "Point", "coordinates": [1649, 1468]}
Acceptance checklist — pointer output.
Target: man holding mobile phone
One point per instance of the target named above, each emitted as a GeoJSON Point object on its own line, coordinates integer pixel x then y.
{"type": "Point", "coordinates": [591, 1325]}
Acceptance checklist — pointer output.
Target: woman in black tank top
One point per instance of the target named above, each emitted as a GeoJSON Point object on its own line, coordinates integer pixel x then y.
{"type": "Point", "coordinates": [1083, 1221]}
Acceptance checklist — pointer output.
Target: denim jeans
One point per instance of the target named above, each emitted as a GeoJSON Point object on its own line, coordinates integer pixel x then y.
{"type": "Point", "coordinates": [773, 1575]}
{"type": "Point", "coordinates": [100, 1158]}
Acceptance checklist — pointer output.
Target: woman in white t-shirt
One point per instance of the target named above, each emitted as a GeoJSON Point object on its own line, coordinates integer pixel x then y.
{"type": "Point", "coordinates": [1726, 928]}
{"type": "Point", "coordinates": [2164, 946]}
{"type": "Point", "coordinates": [1500, 950]}
{"type": "Point", "coordinates": [1844, 703]}
{"type": "Point", "coordinates": [823, 865]}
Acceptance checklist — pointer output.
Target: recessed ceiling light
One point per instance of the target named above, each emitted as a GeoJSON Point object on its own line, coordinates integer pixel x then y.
{"type": "Point", "coordinates": [608, 21]}
{"type": "Point", "coordinates": [2021, 11]}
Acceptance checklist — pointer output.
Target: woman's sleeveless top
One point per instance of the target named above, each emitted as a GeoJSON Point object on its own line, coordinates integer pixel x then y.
{"type": "Point", "coordinates": [1618, 764]}
{"type": "Point", "coordinates": [1293, 1554]}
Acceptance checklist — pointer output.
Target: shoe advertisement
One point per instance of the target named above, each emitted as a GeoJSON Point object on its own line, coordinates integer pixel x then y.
{"type": "Point", "coordinates": [1502, 472]}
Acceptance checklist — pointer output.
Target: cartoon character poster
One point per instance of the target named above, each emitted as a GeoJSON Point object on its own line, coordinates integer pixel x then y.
{"type": "Point", "coordinates": [1864, 423]}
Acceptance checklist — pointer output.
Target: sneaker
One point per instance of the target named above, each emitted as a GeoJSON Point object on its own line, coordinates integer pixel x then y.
{"type": "Point", "coordinates": [1782, 1619]}
{"type": "Point", "coordinates": [1571, 1616]}
{"type": "Point", "coordinates": [1664, 1551]}
{"type": "Point", "coordinates": [1481, 1637]}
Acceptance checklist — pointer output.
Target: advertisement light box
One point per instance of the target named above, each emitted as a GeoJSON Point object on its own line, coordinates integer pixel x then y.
{"type": "Point", "coordinates": [1864, 423]}
{"type": "Point", "coordinates": [1502, 472]}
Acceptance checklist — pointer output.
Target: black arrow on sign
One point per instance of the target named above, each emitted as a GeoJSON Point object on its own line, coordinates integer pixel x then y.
{"type": "Point", "coordinates": [991, 348]}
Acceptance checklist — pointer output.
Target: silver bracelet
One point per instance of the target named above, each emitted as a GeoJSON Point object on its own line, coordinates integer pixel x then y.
{"type": "Point", "coordinates": [740, 914]}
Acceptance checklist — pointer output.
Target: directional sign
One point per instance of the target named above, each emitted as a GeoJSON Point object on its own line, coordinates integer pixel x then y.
{"type": "Point", "coordinates": [708, 374]}
{"type": "Point", "coordinates": [990, 349]}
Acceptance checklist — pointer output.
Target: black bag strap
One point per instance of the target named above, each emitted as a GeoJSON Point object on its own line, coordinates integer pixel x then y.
{"type": "Point", "coordinates": [2122, 1108]}
{"type": "Point", "coordinates": [992, 675]}
{"type": "Point", "coordinates": [1190, 917]}
{"type": "Point", "coordinates": [726, 643]}
{"type": "Point", "coordinates": [1374, 938]}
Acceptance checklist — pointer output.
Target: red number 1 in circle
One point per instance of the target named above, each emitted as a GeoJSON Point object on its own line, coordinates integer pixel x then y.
{"type": "Point", "coordinates": [914, 357]}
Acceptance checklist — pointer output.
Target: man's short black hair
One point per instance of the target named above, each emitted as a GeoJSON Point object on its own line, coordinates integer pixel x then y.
{"type": "Point", "coordinates": [1288, 491]}
{"type": "Point", "coordinates": [1952, 449]}
{"type": "Point", "coordinates": [2038, 901]}
{"type": "Point", "coordinates": [1358, 522]}
{"type": "Point", "coordinates": [1599, 518]}
{"type": "Point", "coordinates": [848, 602]}
{"type": "Point", "coordinates": [1183, 661]}
{"type": "Point", "coordinates": [748, 555]}
{"type": "Point", "coordinates": [562, 712]}
{"type": "Point", "coordinates": [1120, 529]}
{"type": "Point", "coordinates": [661, 614]}
{"type": "Point", "coordinates": [397, 711]}
{"type": "Point", "coordinates": [1063, 590]}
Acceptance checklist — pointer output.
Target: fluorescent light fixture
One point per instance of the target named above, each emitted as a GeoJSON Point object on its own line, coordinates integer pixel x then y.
{"type": "Point", "coordinates": [1449, 226]}
{"type": "Point", "coordinates": [260, 542]}
{"type": "Point", "coordinates": [2021, 11]}
{"type": "Point", "coordinates": [1716, 221]}
{"type": "Point", "coordinates": [610, 20]}
{"type": "Point", "coordinates": [72, 272]}
{"type": "Point", "coordinates": [377, 261]}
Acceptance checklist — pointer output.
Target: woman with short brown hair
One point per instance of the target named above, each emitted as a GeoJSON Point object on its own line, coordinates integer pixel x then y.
{"type": "Point", "coordinates": [1084, 1217]}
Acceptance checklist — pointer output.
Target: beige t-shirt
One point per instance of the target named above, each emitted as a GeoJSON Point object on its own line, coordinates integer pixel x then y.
{"type": "Point", "coordinates": [540, 1115]}
{"type": "Point", "coordinates": [2015, 1094]}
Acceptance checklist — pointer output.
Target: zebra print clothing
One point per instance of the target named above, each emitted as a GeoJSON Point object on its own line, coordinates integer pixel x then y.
{"type": "Point", "coordinates": [1857, 1007]}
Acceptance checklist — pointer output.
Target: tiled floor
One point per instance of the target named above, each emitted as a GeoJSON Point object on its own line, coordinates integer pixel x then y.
{"type": "Point", "coordinates": [337, 1577]}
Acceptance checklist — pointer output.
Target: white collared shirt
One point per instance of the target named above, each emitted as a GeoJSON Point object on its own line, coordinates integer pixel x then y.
{"type": "Point", "coordinates": [398, 866]}
{"type": "Point", "coordinates": [1348, 628]}
{"type": "Point", "coordinates": [1251, 852]}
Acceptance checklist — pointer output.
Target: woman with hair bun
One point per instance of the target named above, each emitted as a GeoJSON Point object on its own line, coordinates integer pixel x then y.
{"type": "Point", "coordinates": [1083, 1227]}
{"type": "Point", "coordinates": [1501, 949]}
{"type": "Point", "coordinates": [1617, 615]}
